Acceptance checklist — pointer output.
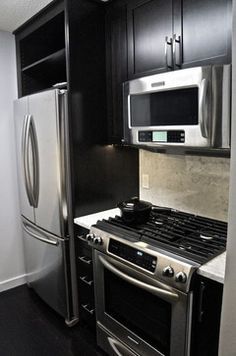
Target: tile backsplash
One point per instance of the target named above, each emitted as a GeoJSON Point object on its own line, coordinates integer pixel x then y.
{"type": "Point", "coordinates": [198, 185]}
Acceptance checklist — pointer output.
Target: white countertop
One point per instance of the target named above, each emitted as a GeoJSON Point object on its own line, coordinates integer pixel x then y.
{"type": "Point", "coordinates": [88, 220]}
{"type": "Point", "coordinates": [214, 269]}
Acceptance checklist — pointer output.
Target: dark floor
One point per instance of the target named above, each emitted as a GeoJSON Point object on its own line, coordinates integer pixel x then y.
{"type": "Point", "coordinates": [28, 327]}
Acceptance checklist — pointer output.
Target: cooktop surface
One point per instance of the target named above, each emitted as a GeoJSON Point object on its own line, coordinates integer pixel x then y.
{"type": "Point", "coordinates": [195, 237]}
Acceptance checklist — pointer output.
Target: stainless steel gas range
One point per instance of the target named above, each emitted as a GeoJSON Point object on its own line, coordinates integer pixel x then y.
{"type": "Point", "coordinates": [143, 280]}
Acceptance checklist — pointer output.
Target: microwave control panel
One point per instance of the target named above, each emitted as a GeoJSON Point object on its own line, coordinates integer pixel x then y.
{"type": "Point", "coordinates": [162, 136]}
{"type": "Point", "coordinates": [130, 254]}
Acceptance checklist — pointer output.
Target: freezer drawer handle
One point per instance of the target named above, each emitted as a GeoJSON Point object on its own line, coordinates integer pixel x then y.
{"type": "Point", "coordinates": [43, 239]}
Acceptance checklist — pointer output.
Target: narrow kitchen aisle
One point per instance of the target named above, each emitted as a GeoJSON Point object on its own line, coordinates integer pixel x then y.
{"type": "Point", "coordinates": [29, 328]}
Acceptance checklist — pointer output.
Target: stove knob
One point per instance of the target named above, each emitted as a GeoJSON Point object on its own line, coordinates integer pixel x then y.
{"type": "Point", "coordinates": [168, 271]}
{"type": "Point", "coordinates": [97, 240]}
{"type": "Point", "coordinates": [181, 277]}
{"type": "Point", "coordinates": [90, 237]}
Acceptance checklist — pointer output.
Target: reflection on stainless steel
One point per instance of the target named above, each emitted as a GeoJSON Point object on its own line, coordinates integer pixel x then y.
{"type": "Point", "coordinates": [44, 175]}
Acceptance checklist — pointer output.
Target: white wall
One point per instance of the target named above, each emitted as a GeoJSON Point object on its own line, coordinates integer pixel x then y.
{"type": "Point", "coordinates": [11, 248]}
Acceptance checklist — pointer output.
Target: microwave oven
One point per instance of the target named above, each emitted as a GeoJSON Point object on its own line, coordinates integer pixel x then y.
{"type": "Point", "coordinates": [186, 108]}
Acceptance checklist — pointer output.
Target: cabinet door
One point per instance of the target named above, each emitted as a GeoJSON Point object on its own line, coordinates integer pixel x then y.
{"type": "Point", "coordinates": [206, 27]}
{"type": "Point", "coordinates": [117, 71]}
{"type": "Point", "coordinates": [149, 36]}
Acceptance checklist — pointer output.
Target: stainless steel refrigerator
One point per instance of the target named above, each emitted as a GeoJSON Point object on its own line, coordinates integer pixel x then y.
{"type": "Point", "coordinates": [41, 126]}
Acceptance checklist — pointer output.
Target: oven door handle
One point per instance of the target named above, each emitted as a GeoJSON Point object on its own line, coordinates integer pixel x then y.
{"type": "Point", "coordinates": [159, 292]}
{"type": "Point", "coordinates": [116, 345]}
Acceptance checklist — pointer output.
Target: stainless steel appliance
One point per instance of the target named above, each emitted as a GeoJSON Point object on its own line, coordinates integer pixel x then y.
{"type": "Point", "coordinates": [44, 183]}
{"type": "Point", "coordinates": [143, 280]}
{"type": "Point", "coordinates": [185, 108]}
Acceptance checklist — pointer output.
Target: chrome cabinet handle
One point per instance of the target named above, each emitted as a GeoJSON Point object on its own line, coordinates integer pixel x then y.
{"type": "Point", "coordinates": [84, 279]}
{"type": "Point", "coordinates": [27, 229]}
{"type": "Point", "coordinates": [168, 43]}
{"type": "Point", "coordinates": [85, 259]}
{"type": "Point", "coordinates": [177, 41]}
{"type": "Point", "coordinates": [203, 108]}
{"type": "Point", "coordinates": [116, 345]}
{"type": "Point", "coordinates": [167, 295]}
{"type": "Point", "coordinates": [86, 307]}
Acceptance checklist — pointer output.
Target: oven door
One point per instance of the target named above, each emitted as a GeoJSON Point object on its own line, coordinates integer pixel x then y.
{"type": "Point", "coordinates": [146, 315]}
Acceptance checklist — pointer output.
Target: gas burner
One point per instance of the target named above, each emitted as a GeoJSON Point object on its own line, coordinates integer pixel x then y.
{"type": "Point", "coordinates": [195, 237]}
{"type": "Point", "coordinates": [208, 235]}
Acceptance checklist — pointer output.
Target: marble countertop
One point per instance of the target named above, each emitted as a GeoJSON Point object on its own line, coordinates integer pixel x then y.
{"type": "Point", "coordinates": [214, 269]}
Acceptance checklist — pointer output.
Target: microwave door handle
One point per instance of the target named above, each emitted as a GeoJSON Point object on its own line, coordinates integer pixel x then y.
{"type": "Point", "coordinates": [159, 292]}
{"type": "Point", "coordinates": [203, 111]}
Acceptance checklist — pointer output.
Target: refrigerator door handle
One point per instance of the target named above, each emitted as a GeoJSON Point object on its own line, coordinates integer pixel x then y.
{"type": "Point", "coordinates": [25, 159]}
{"type": "Point", "coordinates": [34, 141]}
{"type": "Point", "coordinates": [30, 231]}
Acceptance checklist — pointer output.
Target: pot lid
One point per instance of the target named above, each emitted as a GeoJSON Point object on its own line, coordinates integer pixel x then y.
{"type": "Point", "coordinates": [134, 204]}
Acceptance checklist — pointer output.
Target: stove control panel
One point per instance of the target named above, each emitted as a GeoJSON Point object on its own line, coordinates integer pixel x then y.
{"type": "Point", "coordinates": [130, 254]}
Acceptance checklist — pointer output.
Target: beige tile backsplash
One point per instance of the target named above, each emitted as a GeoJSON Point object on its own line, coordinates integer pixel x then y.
{"type": "Point", "coordinates": [193, 184]}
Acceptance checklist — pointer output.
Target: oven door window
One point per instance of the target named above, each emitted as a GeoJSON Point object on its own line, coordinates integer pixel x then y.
{"type": "Point", "coordinates": [148, 316]}
{"type": "Point", "coordinates": [166, 108]}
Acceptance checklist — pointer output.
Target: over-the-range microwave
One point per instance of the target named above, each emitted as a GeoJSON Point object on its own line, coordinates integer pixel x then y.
{"type": "Point", "coordinates": [186, 108]}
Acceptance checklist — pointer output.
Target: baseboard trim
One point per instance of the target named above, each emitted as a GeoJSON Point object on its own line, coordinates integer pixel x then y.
{"type": "Point", "coordinates": [12, 282]}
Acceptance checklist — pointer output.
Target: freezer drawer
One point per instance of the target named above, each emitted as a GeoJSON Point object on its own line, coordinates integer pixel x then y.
{"type": "Point", "coordinates": [45, 266]}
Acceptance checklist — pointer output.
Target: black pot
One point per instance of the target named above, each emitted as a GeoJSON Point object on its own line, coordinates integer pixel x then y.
{"type": "Point", "coordinates": [135, 211]}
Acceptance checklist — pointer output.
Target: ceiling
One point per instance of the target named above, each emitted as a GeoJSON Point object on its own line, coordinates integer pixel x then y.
{"type": "Point", "coordinates": [14, 13]}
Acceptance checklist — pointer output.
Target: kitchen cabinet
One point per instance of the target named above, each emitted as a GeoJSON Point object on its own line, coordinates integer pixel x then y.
{"type": "Point", "coordinates": [40, 45]}
{"type": "Point", "coordinates": [206, 317]}
{"type": "Point", "coordinates": [65, 42]}
{"type": "Point", "coordinates": [150, 32]}
{"type": "Point", "coordinates": [174, 34]}
{"type": "Point", "coordinates": [84, 265]}
{"type": "Point", "coordinates": [206, 32]}
{"type": "Point", "coordinates": [116, 63]}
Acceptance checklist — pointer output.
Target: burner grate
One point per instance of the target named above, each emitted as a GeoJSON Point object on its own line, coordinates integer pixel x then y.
{"type": "Point", "coordinates": [191, 236]}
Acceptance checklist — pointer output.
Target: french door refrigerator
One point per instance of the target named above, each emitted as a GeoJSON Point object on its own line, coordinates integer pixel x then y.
{"type": "Point", "coordinates": [41, 126]}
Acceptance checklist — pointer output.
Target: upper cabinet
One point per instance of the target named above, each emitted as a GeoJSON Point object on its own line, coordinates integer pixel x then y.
{"type": "Point", "coordinates": [41, 58]}
{"type": "Point", "coordinates": [206, 32]}
{"type": "Point", "coordinates": [172, 34]}
{"type": "Point", "coordinates": [150, 34]}
{"type": "Point", "coordinates": [116, 67]}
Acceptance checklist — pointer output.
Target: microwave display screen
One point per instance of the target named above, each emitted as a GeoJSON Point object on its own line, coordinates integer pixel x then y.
{"type": "Point", "coordinates": [159, 136]}
{"type": "Point", "coordinates": [165, 108]}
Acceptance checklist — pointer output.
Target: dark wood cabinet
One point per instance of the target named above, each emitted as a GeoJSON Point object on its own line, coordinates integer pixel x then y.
{"type": "Point", "coordinates": [206, 32]}
{"type": "Point", "coordinates": [116, 67]}
{"type": "Point", "coordinates": [41, 55]}
{"type": "Point", "coordinates": [174, 34]}
{"type": "Point", "coordinates": [66, 41]}
{"type": "Point", "coordinates": [149, 36]}
{"type": "Point", "coordinates": [207, 302]}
